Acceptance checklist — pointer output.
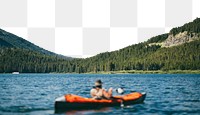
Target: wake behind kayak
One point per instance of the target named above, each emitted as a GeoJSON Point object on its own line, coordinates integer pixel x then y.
{"type": "Point", "coordinates": [75, 102]}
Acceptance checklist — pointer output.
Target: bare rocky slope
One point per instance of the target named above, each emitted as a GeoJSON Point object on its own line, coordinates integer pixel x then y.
{"type": "Point", "coordinates": [180, 38]}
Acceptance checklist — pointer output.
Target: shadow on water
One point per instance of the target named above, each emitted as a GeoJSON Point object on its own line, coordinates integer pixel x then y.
{"type": "Point", "coordinates": [83, 111]}
{"type": "Point", "coordinates": [103, 110]}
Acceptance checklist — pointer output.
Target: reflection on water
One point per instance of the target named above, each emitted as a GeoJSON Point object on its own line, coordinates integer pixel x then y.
{"type": "Point", "coordinates": [35, 93]}
{"type": "Point", "coordinates": [78, 112]}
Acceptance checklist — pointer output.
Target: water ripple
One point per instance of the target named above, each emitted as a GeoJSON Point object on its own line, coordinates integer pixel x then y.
{"type": "Point", "coordinates": [35, 93]}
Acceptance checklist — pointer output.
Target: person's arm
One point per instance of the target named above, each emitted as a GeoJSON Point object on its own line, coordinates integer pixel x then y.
{"type": "Point", "coordinates": [107, 94]}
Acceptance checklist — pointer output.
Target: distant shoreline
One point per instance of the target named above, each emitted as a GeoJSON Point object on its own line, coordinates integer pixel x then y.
{"type": "Point", "coordinates": [148, 72]}
{"type": "Point", "coordinates": [129, 72]}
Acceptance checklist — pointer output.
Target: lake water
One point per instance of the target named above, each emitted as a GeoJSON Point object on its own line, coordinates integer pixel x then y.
{"type": "Point", "coordinates": [35, 93]}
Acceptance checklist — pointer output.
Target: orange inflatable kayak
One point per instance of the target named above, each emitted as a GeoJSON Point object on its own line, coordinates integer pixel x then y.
{"type": "Point", "coordinates": [75, 102]}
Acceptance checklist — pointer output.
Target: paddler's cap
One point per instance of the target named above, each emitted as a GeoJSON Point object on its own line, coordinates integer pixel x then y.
{"type": "Point", "coordinates": [98, 83]}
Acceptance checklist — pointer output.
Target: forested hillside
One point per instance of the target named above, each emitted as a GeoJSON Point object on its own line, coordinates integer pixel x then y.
{"type": "Point", "coordinates": [149, 55]}
{"type": "Point", "coordinates": [12, 41]}
{"type": "Point", "coordinates": [191, 27]}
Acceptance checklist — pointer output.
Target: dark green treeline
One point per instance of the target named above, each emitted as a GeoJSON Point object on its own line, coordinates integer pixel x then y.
{"type": "Point", "coordinates": [136, 57]}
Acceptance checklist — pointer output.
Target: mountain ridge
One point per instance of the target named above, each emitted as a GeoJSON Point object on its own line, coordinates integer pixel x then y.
{"type": "Point", "coordinates": [148, 55]}
{"type": "Point", "coordinates": [10, 40]}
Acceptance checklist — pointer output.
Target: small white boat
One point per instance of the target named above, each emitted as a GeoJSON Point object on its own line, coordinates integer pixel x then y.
{"type": "Point", "coordinates": [15, 72]}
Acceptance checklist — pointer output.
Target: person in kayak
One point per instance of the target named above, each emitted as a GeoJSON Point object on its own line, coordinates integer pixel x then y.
{"type": "Point", "coordinates": [99, 93]}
